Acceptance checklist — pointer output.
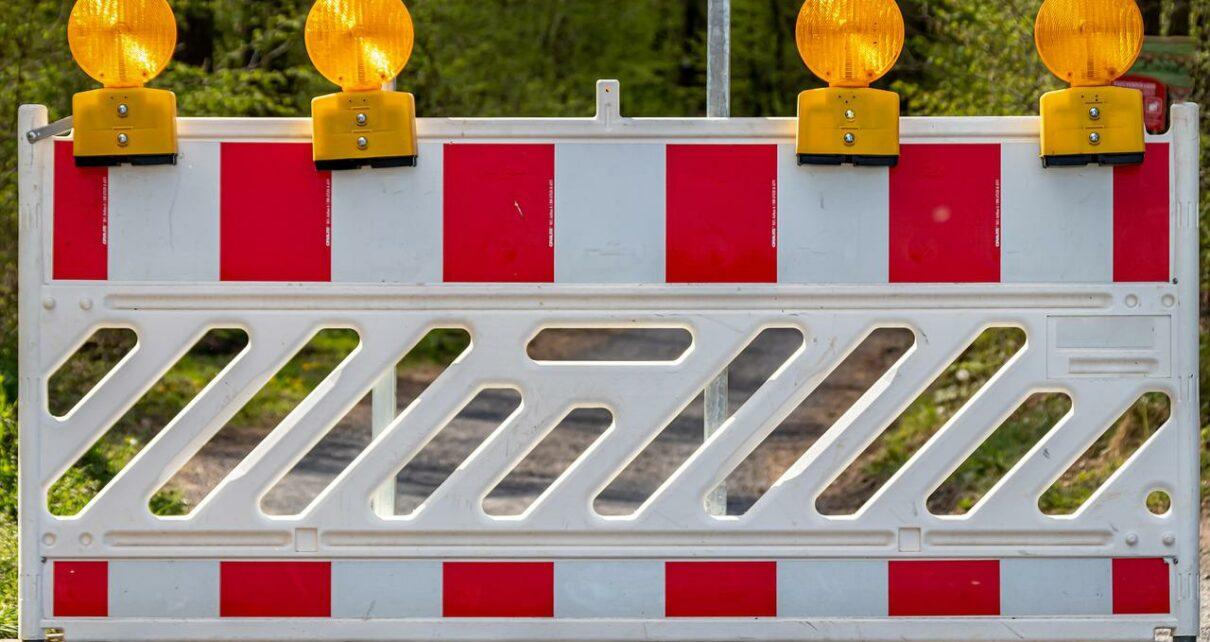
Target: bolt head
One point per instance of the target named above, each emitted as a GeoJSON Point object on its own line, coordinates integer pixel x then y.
{"type": "Point", "coordinates": [849, 139]}
{"type": "Point", "coordinates": [123, 110]}
{"type": "Point", "coordinates": [362, 119]}
{"type": "Point", "coordinates": [362, 142]}
{"type": "Point", "coordinates": [1094, 113]}
{"type": "Point", "coordinates": [31, 137]}
{"type": "Point", "coordinates": [123, 139]}
{"type": "Point", "coordinates": [849, 114]}
{"type": "Point", "coordinates": [1094, 138]}
{"type": "Point", "coordinates": [1132, 539]}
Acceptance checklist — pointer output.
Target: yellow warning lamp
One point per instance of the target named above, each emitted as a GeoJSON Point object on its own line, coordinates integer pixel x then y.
{"type": "Point", "coordinates": [123, 44]}
{"type": "Point", "coordinates": [362, 45]}
{"type": "Point", "coordinates": [850, 44]}
{"type": "Point", "coordinates": [1089, 44]}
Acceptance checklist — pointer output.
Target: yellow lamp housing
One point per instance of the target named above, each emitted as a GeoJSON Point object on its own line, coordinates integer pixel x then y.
{"type": "Point", "coordinates": [858, 125]}
{"type": "Point", "coordinates": [1089, 44]}
{"type": "Point", "coordinates": [362, 45]}
{"type": "Point", "coordinates": [375, 128]}
{"type": "Point", "coordinates": [849, 44]}
{"type": "Point", "coordinates": [123, 44]}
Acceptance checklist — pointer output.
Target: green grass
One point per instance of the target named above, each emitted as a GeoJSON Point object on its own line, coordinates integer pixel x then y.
{"type": "Point", "coordinates": [8, 578]}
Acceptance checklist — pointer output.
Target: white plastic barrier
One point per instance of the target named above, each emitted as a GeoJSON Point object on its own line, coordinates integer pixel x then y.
{"type": "Point", "coordinates": [511, 226]}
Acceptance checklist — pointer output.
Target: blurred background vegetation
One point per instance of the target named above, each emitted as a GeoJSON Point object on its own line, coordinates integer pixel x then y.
{"type": "Point", "coordinates": [541, 58]}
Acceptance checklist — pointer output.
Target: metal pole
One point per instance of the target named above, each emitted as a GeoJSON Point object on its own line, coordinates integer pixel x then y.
{"type": "Point", "coordinates": [718, 105]}
{"type": "Point", "coordinates": [718, 60]}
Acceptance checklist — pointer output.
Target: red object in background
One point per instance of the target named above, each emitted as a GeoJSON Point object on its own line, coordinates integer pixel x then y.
{"type": "Point", "coordinates": [1155, 100]}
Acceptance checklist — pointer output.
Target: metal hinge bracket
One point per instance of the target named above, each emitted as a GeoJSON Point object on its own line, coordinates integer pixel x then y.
{"type": "Point", "coordinates": [57, 128]}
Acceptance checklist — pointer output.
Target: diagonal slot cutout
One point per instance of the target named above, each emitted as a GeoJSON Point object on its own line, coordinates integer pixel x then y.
{"type": "Point", "coordinates": [847, 382]}
{"type": "Point", "coordinates": [948, 393]}
{"type": "Point", "coordinates": [618, 345]}
{"type": "Point", "coordinates": [755, 365]}
{"type": "Point", "coordinates": [547, 462]}
{"type": "Point", "coordinates": [322, 354]}
{"type": "Point", "coordinates": [424, 363]}
{"type": "Point", "coordinates": [87, 367]}
{"type": "Point", "coordinates": [1106, 455]}
{"type": "Point", "coordinates": [126, 438]}
{"type": "Point", "coordinates": [449, 449]}
{"type": "Point", "coordinates": [999, 453]}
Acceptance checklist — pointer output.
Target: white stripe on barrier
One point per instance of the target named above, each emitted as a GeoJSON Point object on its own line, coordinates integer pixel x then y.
{"type": "Point", "coordinates": [163, 221]}
{"type": "Point", "coordinates": [609, 213]}
{"type": "Point", "coordinates": [831, 588]}
{"type": "Point", "coordinates": [164, 589]}
{"type": "Point", "coordinates": [386, 589]}
{"type": "Point", "coordinates": [1056, 587]}
{"type": "Point", "coordinates": [833, 224]}
{"type": "Point", "coordinates": [609, 589]}
{"type": "Point", "coordinates": [1057, 223]}
{"type": "Point", "coordinates": [386, 223]}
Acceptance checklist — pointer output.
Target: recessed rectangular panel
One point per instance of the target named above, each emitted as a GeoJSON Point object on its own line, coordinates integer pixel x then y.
{"type": "Point", "coordinates": [163, 589]}
{"type": "Point", "coordinates": [387, 223]}
{"type": "Point", "coordinates": [386, 589]}
{"type": "Point", "coordinates": [832, 222]}
{"type": "Point", "coordinates": [1058, 221]}
{"type": "Point", "coordinates": [722, 214]}
{"type": "Point", "coordinates": [610, 221]}
{"type": "Point", "coordinates": [276, 214]}
{"type": "Point", "coordinates": [832, 588]}
{"type": "Point", "coordinates": [945, 214]}
{"type": "Point", "coordinates": [499, 205]}
{"type": "Point", "coordinates": [81, 219]}
{"type": "Point", "coordinates": [1141, 219]}
{"type": "Point", "coordinates": [1118, 346]}
{"type": "Point", "coordinates": [164, 220]}
{"type": "Point", "coordinates": [609, 589]}
{"type": "Point", "coordinates": [1052, 587]}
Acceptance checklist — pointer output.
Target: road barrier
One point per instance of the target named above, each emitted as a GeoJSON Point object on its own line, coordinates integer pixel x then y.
{"type": "Point", "coordinates": [508, 227]}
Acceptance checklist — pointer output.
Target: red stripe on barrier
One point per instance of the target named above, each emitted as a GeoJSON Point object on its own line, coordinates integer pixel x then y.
{"type": "Point", "coordinates": [945, 214]}
{"type": "Point", "coordinates": [81, 589]}
{"type": "Point", "coordinates": [1141, 587]}
{"type": "Point", "coordinates": [81, 221]}
{"type": "Point", "coordinates": [722, 214]}
{"type": "Point", "coordinates": [944, 588]}
{"type": "Point", "coordinates": [1141, 231]}
{"type": "Point", "coordinates": [499, 213]}
{"type": "Point", "coordinates": [498, 589]}
{"type": "Point", "coordinates": [275, 589]}
{"type": "Point", "coordinates": [720, 589]}
{"type": "Point", "coordinates": [276, 214]}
